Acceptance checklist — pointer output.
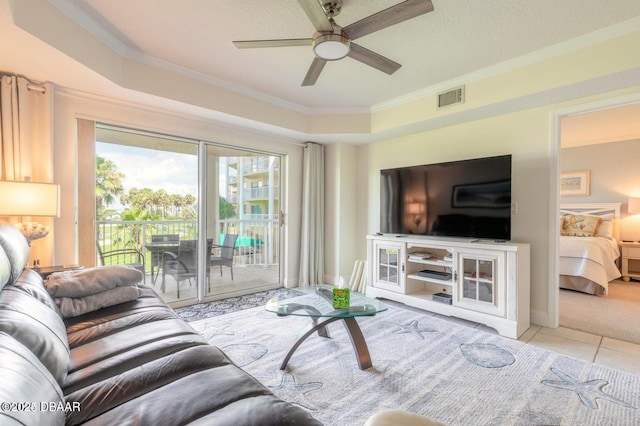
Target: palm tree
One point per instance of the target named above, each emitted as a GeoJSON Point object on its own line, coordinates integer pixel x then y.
{"type": "Point", "coordinates": [176, 203]}
{"type": "Point", "coordinates": [161, 201]}
{"type": "Point", "coordinates": [108, 184]}
{"type": "Point", "coordinates": [140, 198]}
{"type": "Point", "coordinates": [134, 238]}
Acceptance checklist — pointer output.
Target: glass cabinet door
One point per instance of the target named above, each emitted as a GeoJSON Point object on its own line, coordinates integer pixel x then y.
{"type": "Point", "coordinates": [389, 266]}
{"type": "Point", "coordinates": [479, 282]}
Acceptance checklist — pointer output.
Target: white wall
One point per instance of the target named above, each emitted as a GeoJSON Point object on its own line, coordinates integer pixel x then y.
{"type": "Point", "coordinates": [68, 106]}
{"type": "Point", "coordinates": [615, 176]}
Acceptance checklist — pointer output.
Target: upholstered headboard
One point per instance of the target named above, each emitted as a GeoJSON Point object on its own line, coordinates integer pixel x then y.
{"type": "Point", "coordinates": [596, 209]}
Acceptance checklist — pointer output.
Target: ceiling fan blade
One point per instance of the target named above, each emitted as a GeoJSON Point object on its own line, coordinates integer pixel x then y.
{"type": "Point", "coordinates": [287, 42]}
{"type": "Point", "coordinates": [316, 15]}
{"type": "Point", "coordinates": [314, 72]}
{"type": "Point", "coordinates": [372, 59]}
{"type": "Point", "coordinates": [395, 14]}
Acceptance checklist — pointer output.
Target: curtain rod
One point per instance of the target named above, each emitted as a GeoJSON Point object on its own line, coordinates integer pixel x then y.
{"type": "Point", "coordinates": [31, 86]}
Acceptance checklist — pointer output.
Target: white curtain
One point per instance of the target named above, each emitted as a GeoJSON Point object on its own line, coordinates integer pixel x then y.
{"type": "Point", "coordinates": [15, 146]}
{"type": "Point", "coordinates": [26, 148]}
{"type": "Point", "coordinates": [25, 129]}
{"type": "Point", "coordinates": [312, 235]}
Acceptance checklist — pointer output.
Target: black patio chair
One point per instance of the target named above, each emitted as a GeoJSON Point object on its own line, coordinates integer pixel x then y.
{"type": "Point", "coordinates": [182, 265]}
{"type": "Point", "coordinates": [227, 250]}
{"type": "Point", "coordinates": [160, 244]}
{"type": "Point", "coordinates": [126, 256]}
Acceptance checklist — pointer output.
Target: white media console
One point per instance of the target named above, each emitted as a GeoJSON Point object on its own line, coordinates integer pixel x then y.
{"type": "Point", "coordinates": [478, 280]}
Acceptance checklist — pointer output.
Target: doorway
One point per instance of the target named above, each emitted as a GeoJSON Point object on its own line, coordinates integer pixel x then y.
{"type": "Point", "coordinates": [600, 139]}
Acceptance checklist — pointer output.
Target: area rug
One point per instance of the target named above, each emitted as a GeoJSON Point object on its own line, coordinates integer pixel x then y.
{"type": "Point", "coordinates": [446, 371]}
{"type": "Point", "coordinates": [231, 304]}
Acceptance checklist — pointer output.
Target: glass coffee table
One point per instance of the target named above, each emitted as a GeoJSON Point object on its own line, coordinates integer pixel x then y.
{"type": "Point", "coordinates": [317, 304]}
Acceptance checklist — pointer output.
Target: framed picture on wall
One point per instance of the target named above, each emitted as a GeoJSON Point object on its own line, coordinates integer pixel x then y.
{"type": "Point", "coordinates": [575, 183]}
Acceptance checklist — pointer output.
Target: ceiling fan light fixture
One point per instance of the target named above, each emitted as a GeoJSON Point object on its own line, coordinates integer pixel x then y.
{"type": "Point", "coordinates": [331, 47]}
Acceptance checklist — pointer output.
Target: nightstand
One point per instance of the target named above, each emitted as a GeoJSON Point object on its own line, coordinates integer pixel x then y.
{"type": "Point", "coordinates": [630, 260]}
{"type": "Point", "coordinates": [45, 271]}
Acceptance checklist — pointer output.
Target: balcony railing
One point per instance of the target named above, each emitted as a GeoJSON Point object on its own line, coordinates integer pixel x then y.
{"type": "Point", "coordinates": [257, 244]}
{"type": "Point", "coordinates": [261, 193]}
{"type": "Point", "coordinates": [259, 166]}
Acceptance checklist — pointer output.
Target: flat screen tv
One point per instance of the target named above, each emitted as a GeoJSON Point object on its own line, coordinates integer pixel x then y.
{"type": "Point", "coordinates": [468, 198]}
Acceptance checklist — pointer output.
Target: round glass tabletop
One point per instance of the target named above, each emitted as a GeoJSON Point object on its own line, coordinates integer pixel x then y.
{"type": "Point", "coordinates": [317, 301]}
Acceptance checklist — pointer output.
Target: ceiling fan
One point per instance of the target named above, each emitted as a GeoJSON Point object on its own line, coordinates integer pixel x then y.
{"type": "Point", "coordinates": [332, 42]}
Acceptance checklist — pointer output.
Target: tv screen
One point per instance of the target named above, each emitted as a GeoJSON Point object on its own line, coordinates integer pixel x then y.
{"type": "Point", "coordinates": [468, 198]}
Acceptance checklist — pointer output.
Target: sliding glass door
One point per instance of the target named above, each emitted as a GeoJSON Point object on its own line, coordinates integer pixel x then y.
{"type": "Point", "coordinates": [243, 205]}
{"type": "Point", "coordinates": [154, 193]}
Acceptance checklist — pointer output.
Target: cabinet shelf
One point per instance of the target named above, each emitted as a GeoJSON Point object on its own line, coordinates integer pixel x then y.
{"type": "Point", "coordinates": [426, 296]}
{"type": "Point", "coordinates": [433, 262]}
{"type": "Point", "coordinates": [430, 280]}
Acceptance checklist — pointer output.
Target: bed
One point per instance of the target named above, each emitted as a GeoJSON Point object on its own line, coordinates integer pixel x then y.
{"type": "Point", "coordinates": [589, 248]}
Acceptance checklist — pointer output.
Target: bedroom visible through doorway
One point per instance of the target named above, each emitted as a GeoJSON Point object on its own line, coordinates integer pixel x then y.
{"type": "Point", "coordinates": [603, 142]}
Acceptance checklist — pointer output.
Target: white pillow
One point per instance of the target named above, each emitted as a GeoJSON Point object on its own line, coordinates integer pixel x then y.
{"type": "Point", "coordinates": [607, 227]}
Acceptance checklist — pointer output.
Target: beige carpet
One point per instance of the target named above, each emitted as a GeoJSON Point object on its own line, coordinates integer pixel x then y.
{"type": "Point", "coordinates": [616, 315]}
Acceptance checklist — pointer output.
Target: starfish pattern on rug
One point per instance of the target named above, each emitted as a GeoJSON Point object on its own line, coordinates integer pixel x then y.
{"type": "Point", "coordinates": [414, 329]}
{"type": "Point", "coordinates": [295, 393]}
{"type": "Point", "coordinates": [243, 354]}
{"type": "Point", "coordinates": [216, 330]}
{"type": "Point", "coordinates": [589, 392]}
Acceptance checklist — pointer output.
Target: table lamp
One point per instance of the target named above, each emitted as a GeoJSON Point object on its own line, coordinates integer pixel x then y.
{"type": "Point", "coordinates": [30, 199]}
{"type": "Point", "coordinates": [634, 205]}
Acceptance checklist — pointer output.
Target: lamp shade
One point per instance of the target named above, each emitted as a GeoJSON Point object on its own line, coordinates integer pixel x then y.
{"type": "Point", "coordinates": [416, 208]}
{"type": "Point", "coordinates": [634, 205]}
{"type": "Point", "coordinates": [29, 199]}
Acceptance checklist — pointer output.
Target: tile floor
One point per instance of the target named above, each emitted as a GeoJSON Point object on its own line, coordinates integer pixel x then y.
{"type": "Point", "coordinates": [600, 350]}
{"type": "Point", "coordinates": [613, 353]}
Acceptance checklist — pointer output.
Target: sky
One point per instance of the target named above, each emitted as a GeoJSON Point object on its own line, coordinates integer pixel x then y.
{"type": "Point", "coordinates": [149, 168]}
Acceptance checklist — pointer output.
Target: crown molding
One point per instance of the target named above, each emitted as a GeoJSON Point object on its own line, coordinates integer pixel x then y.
{"type": "Point", "coordinates": [90, 21]}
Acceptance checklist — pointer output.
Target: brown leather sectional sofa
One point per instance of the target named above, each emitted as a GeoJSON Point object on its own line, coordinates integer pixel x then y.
{"type": "Point", "coordinates": [135, 363]}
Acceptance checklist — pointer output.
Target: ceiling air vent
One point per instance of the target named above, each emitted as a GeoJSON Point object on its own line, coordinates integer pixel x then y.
{"type": "Point", "coordinates": [451, 97]}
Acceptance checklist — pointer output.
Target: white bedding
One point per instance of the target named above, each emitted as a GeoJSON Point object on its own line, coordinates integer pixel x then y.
{"type": "Point", "coordinates": [590, 257]}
